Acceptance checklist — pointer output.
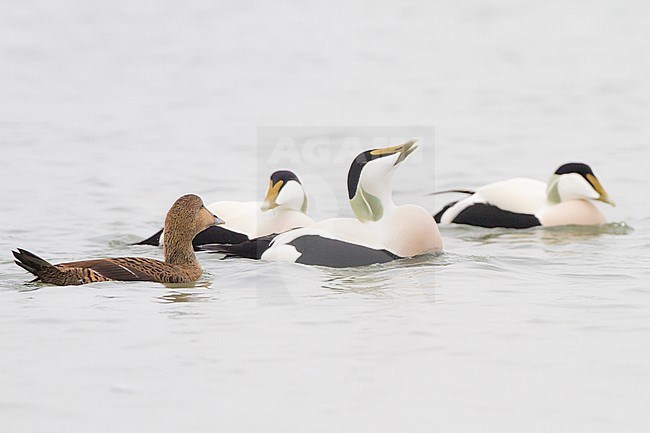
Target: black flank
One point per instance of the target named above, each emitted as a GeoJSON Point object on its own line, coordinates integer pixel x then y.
{"type": "Point", "coordinates": [251, 249]}
{"type": "Point", "coordinates": [333, 253]}
{"type": "Point", "coordinates": [489, 216]}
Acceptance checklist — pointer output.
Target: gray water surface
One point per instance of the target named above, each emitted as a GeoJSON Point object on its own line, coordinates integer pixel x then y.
{"type": "Point", "coordinates": [111, 110]}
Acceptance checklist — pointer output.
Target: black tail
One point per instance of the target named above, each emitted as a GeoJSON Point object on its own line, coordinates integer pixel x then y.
{"type": "Point", "coordinates": [30, 261]}
{"type": "Point", "coordinates": [218, 235]}
{"type": "Point", "coordinates": [438, 216]}
{"type": "Point", "coordinates": [457, 191]}
{"type": "Point", "coordinates": [152, 240]}
{"type": "Point", "coordinates": [211, 235]}
{"type": "Point", "coordinates": [252, 249]}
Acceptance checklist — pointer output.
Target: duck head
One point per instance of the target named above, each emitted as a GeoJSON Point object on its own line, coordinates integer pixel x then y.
{"type": "Point", "coordinates": [369, 180]}
{"type": "Point", "coordinates": [285, 191]}
{"type": "Point", "coordinates": [576, 181]}
{"type": "Point", "coordinates": [188, 217]}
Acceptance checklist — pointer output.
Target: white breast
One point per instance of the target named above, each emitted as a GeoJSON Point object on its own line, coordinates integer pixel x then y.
{"type": "Point", "coordinates": [409, 231]}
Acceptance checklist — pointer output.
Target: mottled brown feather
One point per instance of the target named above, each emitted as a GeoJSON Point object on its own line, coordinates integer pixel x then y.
{"type": "Point", "coordinates": [132, 269]}
{"type": "Point", "coordinates": [187, 217]}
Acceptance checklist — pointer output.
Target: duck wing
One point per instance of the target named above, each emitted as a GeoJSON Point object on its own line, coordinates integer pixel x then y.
{"type": "Point", "coordinates": [519, 195]}
{"type": "Point", "coordinates": [125, 268]}
{"type": "Point", "coordinates": [95, 270]}
{"type": "Point", "coordinates": [511, 203]}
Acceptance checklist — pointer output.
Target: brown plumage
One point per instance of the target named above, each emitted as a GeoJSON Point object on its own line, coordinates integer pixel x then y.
{"type": "Point", "coordinates": [186, 218]}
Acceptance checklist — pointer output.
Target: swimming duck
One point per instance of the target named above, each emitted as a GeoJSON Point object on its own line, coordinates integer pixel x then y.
{"type": "Point", "coordinates": [283, 208]}
{"type": "Point", "coordinates": [186, 218]}
{"type": "Point", "coordinates": [522, 203]}
{"type": "Point", "coordinates": [381, 232]}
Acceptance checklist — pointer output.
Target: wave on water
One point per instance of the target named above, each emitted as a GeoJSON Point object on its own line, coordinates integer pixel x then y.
{"type": "Point", "coordinates": [535, 234]}
{"type": "Point", "coordinates": [613, 228]}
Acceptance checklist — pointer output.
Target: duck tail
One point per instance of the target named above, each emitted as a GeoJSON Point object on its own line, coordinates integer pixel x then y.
{"type": "Point", "coordinates": [252, 249]}
{"type": "Point", "coordinates": [31, 262]}
{"type": "Point", "coordinates": [151, 240]}
{"type": "Point", "coordinates": [455, 191]}
{"type": "Point", "coordinates": [439, 215]}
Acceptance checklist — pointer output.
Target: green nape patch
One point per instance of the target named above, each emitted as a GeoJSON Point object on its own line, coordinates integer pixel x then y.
{"type": "Point", "coordinates": [366, 207]}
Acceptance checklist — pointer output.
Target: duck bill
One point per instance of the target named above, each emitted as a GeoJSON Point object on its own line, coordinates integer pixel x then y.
{"type": "Point", "coordinates": [605, 199]}
{"type": "Point", "coordinates": [602, 194]}
{"type": "Point", "coordinates": [404, 150]}
{"type": "Point", "coordinates": [270, 201]}
{"type": "Point", "coordinates": [217, 221]}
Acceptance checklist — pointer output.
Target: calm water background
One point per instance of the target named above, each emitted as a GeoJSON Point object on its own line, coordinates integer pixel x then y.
{"type": "Point", "coordinates": [111, 110]}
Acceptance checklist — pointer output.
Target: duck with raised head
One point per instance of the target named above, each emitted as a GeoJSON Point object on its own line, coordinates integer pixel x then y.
{"type": "Point", "coordinates": [283, 208]}
{"type": "Point", "coordinates": [186, 218]}
{"type": "Point", "coordinates": [567, 199]}
{"type": "Point", "coordinates": [381, 232]}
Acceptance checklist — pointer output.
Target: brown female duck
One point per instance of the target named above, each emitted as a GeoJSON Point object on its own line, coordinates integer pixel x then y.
{"type": "Point", "coordinates": [186, 218]}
